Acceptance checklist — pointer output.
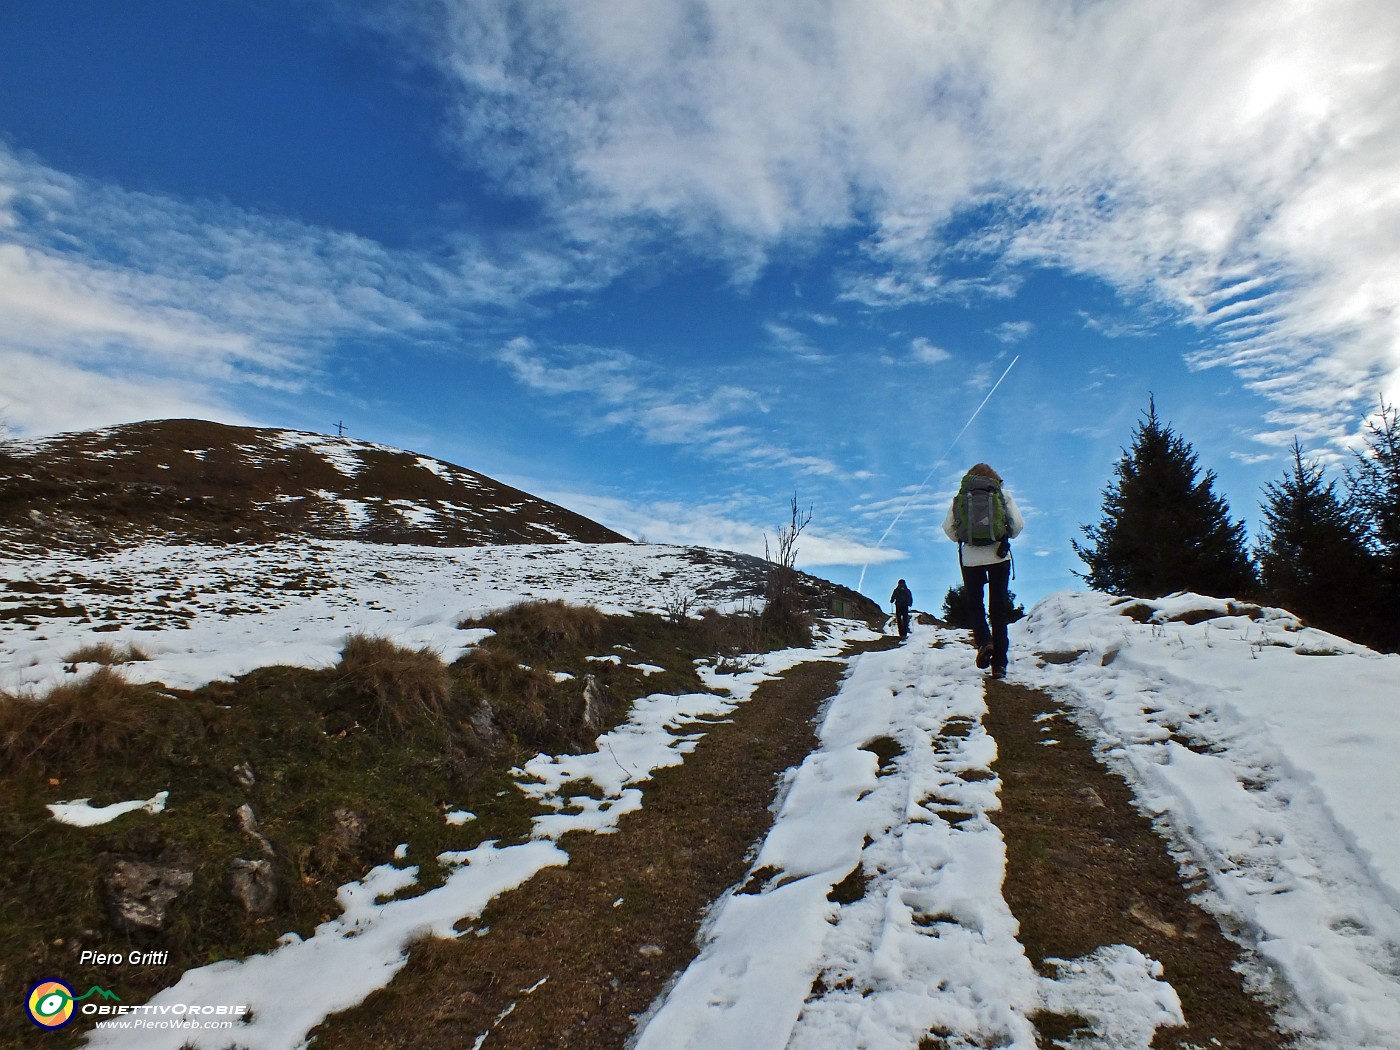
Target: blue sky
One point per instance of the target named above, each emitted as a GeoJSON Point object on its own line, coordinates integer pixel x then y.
{"type": "Point", "coordinates": [671, 263]}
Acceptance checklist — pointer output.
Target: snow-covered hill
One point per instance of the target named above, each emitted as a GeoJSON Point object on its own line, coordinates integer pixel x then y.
{"type": "Point", "coordinates": [187, 480]}
{"type": "Point", "coordinates": [203, 613]}
{"type": "Point", "coordinates": [1264, 749]}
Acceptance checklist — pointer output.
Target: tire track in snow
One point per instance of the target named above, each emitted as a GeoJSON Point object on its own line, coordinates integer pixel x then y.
{"type": "Point", "coordinates": [930, 947]}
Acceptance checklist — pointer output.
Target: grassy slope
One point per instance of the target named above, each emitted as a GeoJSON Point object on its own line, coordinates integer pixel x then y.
{"type": "Point", "coordinates": [191, 480]}
{"type": "Point", "coordinates": [386, 736]}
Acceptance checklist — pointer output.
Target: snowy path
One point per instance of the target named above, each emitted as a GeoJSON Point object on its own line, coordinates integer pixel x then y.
{"type": "Point", "coordinates": [928, 945]}
{"type": "Point", "coordinates": [1267, 752]}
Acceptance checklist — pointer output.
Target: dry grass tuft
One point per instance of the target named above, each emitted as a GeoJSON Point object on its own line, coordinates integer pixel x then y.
{"type": "Point", "coordinates": [106, 653]}
{"type": "Point", "coordinates": [548, 627]}
{"type": "Point", "coordinates": [498, 673]}
{"type": "Point", "coordinates": [521, 699]}
{"type": "Point", "coordinates": [99, 714]}
{"type": "Point", "coordinates": [404, 685]}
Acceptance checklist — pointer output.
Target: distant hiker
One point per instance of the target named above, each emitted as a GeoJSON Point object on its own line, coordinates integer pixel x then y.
{"type": "Point", "coordinates": [982, 521]}
{"type": "Point", "coordinates": [903, 598]}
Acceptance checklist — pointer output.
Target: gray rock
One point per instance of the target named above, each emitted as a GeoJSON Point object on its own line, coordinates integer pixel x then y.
{"type": "Point", "coordinates": [593, 703]}
{"type": "Point", "coordinates": [254, 885]}
{"type": "Point", "coordinates": [248, 824]}
{"type": "Point", "coordinates": [140, 891]}
{"type": "Point", "coordinates": [483, 724]}
{"type": "Point", "coordinates": [348, 828]}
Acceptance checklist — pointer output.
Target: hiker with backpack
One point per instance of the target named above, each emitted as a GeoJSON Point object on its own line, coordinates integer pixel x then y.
{"type": "Point", "coordinates": [982, 521]}
{"type": "Point", "coordinates": [903, 599]}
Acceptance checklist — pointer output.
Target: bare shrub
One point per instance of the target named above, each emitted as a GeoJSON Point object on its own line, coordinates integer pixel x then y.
{"type": "Point", "coordinates": [404, 685]}
{"type": "Point", "coordinates": [105, 653]}
{"type": "Point", "coordinates": [737, 663]}
{"type": "Point", "coordinates": [735, 638]}
{"type": "Point", "coordinates": [783, 614]}
{"type": "Point", "coordinates": [76, 722]}
{"type": "Point", "coordinates": [677, 601]}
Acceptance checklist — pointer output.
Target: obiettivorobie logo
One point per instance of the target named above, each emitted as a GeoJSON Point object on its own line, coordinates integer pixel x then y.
{"type": "Point", "coordinates": [51, 1003]}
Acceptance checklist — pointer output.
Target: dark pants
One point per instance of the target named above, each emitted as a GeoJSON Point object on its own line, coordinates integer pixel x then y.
{"type": "Point", "coordinates": [995, 580]}
{"type": "Point", "coordinates": [901, 617]}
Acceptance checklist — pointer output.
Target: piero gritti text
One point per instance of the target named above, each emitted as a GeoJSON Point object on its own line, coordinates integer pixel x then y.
{"type": "Point", "coordinates": [132, 958]}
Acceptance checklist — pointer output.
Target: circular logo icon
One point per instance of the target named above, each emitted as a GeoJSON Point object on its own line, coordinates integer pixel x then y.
{"type": "Point", "coordinates": [50, 1004]}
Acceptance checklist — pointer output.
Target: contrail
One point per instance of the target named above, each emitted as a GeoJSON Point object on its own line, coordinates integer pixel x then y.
{"type": "Point", "coordinates": [860, 586]}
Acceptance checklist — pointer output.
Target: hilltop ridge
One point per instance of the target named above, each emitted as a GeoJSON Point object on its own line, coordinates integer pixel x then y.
{"type": "Point", "coordinates": [195, 481]}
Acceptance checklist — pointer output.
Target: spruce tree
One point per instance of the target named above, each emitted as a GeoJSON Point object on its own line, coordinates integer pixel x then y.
{"type": "Point", "coordinates": [955, 607]}
{"type": "Point", "coordinates": [1163, 528]}
{"type": "Point", "coordinates": [1314, 557]}
{"type": "Point", "coordinates": [955, 611]}
{"type": "Point", "coordinates": [1376, 485]}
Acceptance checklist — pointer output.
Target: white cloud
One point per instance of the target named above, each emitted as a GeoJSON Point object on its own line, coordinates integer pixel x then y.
{"type": "Point", "coordinates": [45, 293]}
{"type": "Point", "coordinates": [167, 305]}
{"type": "Point", "coordinates": [794, 343]}
{"type": "Point", "coordinates": [1234, 163]}
{"type": "Point", "coordinates": [1118, 326]}
{"type": "Point", "coordinates": [42, 395]}
{"type": "Point", "coordinates": [927, 353]}
{"type": "Point", "coordinates": [1175, 148]}
{"type": "Point", "coordinates": [711, 525]}
{"type": "Point", "coordinates": [198, 300]}
{"type": "Point", "coordinates": [1012, 331]}
{"type": "Point", "coordinates": [663, 405]}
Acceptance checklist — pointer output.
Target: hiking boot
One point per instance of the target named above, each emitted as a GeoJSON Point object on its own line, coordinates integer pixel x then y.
{"type": "Point", "coordinates": [984, 657]}
{"type": "Point", "coordinates": [998, 672]}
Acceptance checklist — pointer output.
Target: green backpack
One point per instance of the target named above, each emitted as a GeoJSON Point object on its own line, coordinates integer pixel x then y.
{"type": "Point", "coordinates": [979, 512]}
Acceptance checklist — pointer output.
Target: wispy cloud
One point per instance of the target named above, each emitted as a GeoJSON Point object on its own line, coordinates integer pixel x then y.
{"type": "Point", "coordinates": [1013, 331]}
{"type": "Point", "coordinates": [794, 343]}
{"type": "Point", "coordinates": [1229, 163]}
{"type": "Point", "coordinates": [1172, 149]}
{"type": "Point", "coordinates": [188, 303]}
{"type": "Point", "coordinates": [188, 300]}
{"type": "Point", "coordinates": [726, 526]}
{"type": "Point", "coordinates": [610, 388]}
{"type": "Point", "coordinates": [1117, 326]}
{"type": "Point", "coordinates": [28, 404]}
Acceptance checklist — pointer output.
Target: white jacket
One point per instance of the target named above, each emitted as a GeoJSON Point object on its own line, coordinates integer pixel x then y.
{"type": "Point", "coordinates": [973, 555]}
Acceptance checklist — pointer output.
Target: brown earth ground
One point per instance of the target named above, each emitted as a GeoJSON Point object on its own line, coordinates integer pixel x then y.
{"type": "Point", "coordinates": [576, 954]}
{"type": "Point", "coordinates": [1085, 870]}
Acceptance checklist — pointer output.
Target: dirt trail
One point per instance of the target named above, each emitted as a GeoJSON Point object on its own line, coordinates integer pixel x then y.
{"type": "Point", "coordinates": [1085, 869]}
{"type": "Point", "coordinates": [576, 953]}
{"type": "Point", "coordinates": [573, 956]}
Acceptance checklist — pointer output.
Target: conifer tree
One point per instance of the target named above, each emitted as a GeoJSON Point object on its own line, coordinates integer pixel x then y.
{"type": "Point", "coordinates": [1163, 528]}
{"type": "Point", "coordinates": [955, 612]}
{"type": "Point", "coordinates": [1376, 485]}
{"type": "Point", "coordinates": [1314, 556]}
{"type": "Point", "coordinates": [955, 607]}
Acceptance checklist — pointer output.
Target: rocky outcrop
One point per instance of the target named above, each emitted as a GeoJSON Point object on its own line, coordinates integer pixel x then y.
{"type": "Point", "coordinates": [594, 704]}
{"type": "Point", "coordinates": [253, 884]}
{"type": "Point", "coordinates": [139, 892]}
